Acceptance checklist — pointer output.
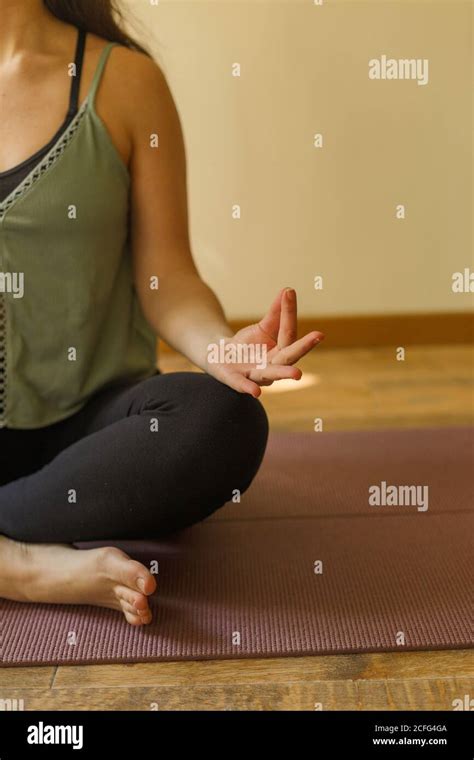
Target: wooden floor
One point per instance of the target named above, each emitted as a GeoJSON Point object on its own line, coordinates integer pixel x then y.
{"type": "Point", "coordinates": [346, 389]}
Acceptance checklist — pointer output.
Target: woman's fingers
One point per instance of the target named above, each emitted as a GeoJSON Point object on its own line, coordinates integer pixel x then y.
{"type": "Point", "coordinates": [241, 383]}
{"type": "Point", "coordinates": [287, 331]}
{"type": "Point", "coordinates": [270, 323]}
{"type": "Point", "coordinates": [301, 347]}
{"type": "Point", "coordinates": [275, 372]}
{"type": "Point", "coordinates": [251, 383]}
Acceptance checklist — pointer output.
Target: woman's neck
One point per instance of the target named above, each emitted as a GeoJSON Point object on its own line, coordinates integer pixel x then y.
{"type": "Point", "coordinates": [23, 26]}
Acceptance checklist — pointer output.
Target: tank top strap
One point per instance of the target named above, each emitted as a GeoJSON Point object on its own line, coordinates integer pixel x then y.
{"type": "Point", "coordinates": [76, 80]}
{"type": "Point", "coordinates": [99, 71]}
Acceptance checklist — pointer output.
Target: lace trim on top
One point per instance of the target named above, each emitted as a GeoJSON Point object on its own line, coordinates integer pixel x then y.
{"type": "Point", "coordinates": [31, 179]}
{"type": "Point", "coordinates": [44, 165]}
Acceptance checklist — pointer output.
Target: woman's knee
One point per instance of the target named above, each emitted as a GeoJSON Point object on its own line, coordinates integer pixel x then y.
{"type": "Point", "coordinates": [216, 443]}
{"type": "Point", "coordinates": [238, 430]}
{"type": "Point", "coordinates": [218, 432]}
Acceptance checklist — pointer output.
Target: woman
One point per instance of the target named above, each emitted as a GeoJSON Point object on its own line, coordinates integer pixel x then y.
{"type": "Point", "coordinates": [95, 262]}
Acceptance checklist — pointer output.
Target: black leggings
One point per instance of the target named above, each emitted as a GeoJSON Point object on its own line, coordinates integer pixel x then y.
{"type": "Point", "coordinates": [137, 461]}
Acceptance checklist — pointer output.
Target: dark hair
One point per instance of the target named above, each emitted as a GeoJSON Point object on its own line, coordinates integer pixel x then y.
{"type": "Point", "coordinates": [101, 17]}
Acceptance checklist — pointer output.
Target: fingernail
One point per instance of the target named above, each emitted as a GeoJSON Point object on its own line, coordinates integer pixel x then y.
{"type": "Point", "coordinates": [291, 294]}
{"type": "Point", "coordinates": [141, 584]}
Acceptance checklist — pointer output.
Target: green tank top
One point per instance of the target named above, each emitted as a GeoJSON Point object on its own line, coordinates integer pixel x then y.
{"type": "Point", "coordinates": [70, 320]}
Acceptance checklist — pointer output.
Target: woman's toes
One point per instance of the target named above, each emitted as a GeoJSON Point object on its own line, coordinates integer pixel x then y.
{"type": "Point", "coordinates": [146, 617]}
{"type": "Point", "coordinates": [119, 567]}
{"type": "Point", "coordinates": [138, 601]}
{"type": "Point", "coordinates": [136, 617]}
{"type": "Point", "coordinates": [139, 577]}
{"type": "Point", "coordinates": [132, 619]}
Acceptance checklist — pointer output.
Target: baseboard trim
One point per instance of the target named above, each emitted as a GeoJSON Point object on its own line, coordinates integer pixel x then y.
{"type": "Point", "coordinates": [383, 329]}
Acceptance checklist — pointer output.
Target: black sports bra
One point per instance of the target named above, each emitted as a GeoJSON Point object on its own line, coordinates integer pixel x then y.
{"type": "Point", "coordinates": [10, 179]}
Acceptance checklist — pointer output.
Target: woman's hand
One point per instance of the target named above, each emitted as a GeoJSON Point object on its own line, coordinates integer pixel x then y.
{"type": "Point", "coordinates": [262, 353]}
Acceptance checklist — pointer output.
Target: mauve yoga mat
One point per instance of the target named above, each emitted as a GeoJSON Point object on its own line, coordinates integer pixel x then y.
{"type": "Point", "coordinates": [243, 583]}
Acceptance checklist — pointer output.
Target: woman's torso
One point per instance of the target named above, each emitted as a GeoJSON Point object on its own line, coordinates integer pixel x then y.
{"type": "Point", "coordinates": [78, 325]}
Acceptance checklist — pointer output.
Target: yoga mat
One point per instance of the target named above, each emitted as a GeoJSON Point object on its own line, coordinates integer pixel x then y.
{"type": "Point", "coordinates": [303, 565]}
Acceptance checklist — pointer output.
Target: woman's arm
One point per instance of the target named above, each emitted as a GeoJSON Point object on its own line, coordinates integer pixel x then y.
{"type": "Point", "coordinates": [184, 311]}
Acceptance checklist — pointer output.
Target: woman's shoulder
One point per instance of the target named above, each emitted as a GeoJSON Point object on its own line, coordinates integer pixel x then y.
{"type": "Point", "coordinates": [130, 65]}
{"type": "Point", "coordinates": [140, 89]}
{"type": "Point", "coordinates": [135, 97]}
{"type": "Point", "coordinates": [135, 77]}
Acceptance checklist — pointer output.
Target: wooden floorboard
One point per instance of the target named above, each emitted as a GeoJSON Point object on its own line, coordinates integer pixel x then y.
{"type": "Point", "coordinates": [348, 389]}
{"type": "Point", "coordinates": [350, 667]}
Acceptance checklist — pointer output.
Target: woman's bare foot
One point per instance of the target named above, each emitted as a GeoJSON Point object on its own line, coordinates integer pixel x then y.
{"type": "Point", "coordinates": [59, 574]}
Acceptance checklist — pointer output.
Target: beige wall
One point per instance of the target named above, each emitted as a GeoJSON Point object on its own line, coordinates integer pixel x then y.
{"type": "Point", "coordinates": [327, 211]}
